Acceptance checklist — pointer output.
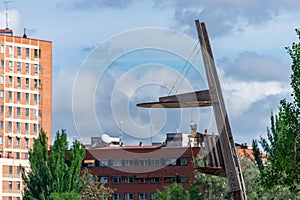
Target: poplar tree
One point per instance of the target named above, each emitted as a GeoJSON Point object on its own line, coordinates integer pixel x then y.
{"type": "Point", "coordinates": [51, 172]}
{"type": "Point", "coordinates": [283, 138]}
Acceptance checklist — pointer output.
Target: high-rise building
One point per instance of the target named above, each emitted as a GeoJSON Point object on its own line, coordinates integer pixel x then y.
{"type": "Point", "coordinates": [25, 105]}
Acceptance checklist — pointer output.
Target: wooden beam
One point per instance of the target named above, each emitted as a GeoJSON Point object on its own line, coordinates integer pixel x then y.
{"type": "Point", "coordinates": [187, 100]}
{"type": "Point", "coordinates": [232, 166]}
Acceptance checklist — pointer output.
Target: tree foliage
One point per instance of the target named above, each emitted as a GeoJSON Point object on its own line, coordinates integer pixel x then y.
{"type": "Point", "coordinates": [217, 187]}
{"type": "Point", "coordinates": [173, 192]}
{"type": "Point", "coordinates": [283, 138]}
{"type": "Point", "coordinates": [92, 189]}
{"type": "Point", "coordinates": [50, 174]}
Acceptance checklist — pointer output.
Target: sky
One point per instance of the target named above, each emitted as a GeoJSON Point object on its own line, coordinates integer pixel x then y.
{"type": "Point", "coordinates": [110, 55]}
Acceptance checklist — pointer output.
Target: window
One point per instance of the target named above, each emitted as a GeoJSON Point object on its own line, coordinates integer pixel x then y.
{"type": "Point", "coordinates": [37, 53]}
{"type": "Point", "coordinates": [37, 113]}
{"type": "Point", "coordinates": [26, 127]}
{"type": "Point", "coordinates": [37, 98]}
{"type": "Point", "coordinates": [103, 163]}
{"type": "Point", "coordinates": [19, 169]}
{"type": "Point", "coordinates": [27, 97]}
{"type": "Point", "coordinates": [10, 80]}
{"type": "Point", "coordinates": [10, 95]}
{"type": "Point", "coordinates": [184, 161]}
{"type": "Point", "coordinates": [1, 79]}
{"type": "Point", "coordinates": [103, 179]}
{"type": "Point", "coordinates": [117, 179]}
{"type": "Point", "coordinates": [27, 142]}
{"type": "Point", "coordinates": [18, 96]}
{"type": "Point", "coordinates": [10, 169]}
{"type": "Point", "coordinates": [170, 161]}
{"type": "Point", "coordinates": [18, 126]}
{"type": "Point", "coordinates": [18, 111]}
{"type": "Point", "coordinates": [18, 155]}
{"type": "Point", "coordinates": [129, 162]}
{"type": "Point", "coordinates": [18, 185]}
{"type": "Point", "coordinates": [143, 196]}
{"type": "Point", "coordinates": [37, 83]}
{"type": "Point", "coordinates": [10, 126]}
{"type": "Point", "coordinates": [2, 63]}
{"type": "Point", "coordinates": [1, 153]}
{"type": "Point", "coordinates": [11, 66]}
{"type": "Point", "coordinates": [18, 142]}
{"type": "Point", "coordinates": [9, 154]}
{"type": "Point", "coordinates": [27, 52]}
{"type": "Point", "coordinates": [129, 179]}
{"type": "Point", "coordinates": [10, 50]}
{"type": "Point", "coordinates": [169, 179]}
{"type": "Point", "coordinates": [2, 48]}
{"type": "Point", "coordinates": [19, 66]}
{"type": "Point", "coordinates": [36, 128]}
{"type": "Point", "coordinates": [1, 139]}
{"type": "Point", "coordinates": [19, 51]}
{"type": "Point", "coordinates": [1, 94]}
{"type": "Point", "coordinates": [117, 162]}
{"type": "Point", "coordinates": [27, 112]}
{"type": "Point", "coordinates": [142, 162]}
{"type": "Point", "coordinates": [37, 68]}
{"type": "Point", "coordinates": [10, 185]}
{"type": "Point", "coordinates": [9, 141]}
{"type": "Point", "coordinates": [1, 124]}
{"type": "Point", "coordinates": [10, 110]}
{"type": "Point", "coordinates": [183, 179]}
{"type": "Point", "coordinates": [116, 196]}
{"type": "Point", "coordinates": [154, 162]}
{"type": "Point", "coordinates": [26, 155]}
{"type": "Point", "coordinates": [142, 180]}
{"type": "Point", "coordinates": [19, 81]}
{"type": "Point", "coordinates": [27, 67]}
{"type": "Point", "coordinates": [155, 180]}
{"type": "Point", "coordinates": [1, 109]}
{"type": "Point", "coordinates": [152, 196]}
{"type": "Point", "coordinates": [27, 82]}
{"type": "Point", "coordinates": [129, 196]}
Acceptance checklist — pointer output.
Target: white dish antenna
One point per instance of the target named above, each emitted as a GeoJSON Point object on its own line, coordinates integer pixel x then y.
{"type": "Point", "coordinates": [106, 138]}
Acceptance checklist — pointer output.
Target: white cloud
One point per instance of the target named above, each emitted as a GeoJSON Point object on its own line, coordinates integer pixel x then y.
{"type": "Point", "coordinates": [241, 95]}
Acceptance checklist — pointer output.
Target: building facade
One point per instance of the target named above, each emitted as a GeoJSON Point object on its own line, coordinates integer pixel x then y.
{"type": "Point", "coordinates": [25, 105]}
{"type": "Point", "coordinates": [137, 172]}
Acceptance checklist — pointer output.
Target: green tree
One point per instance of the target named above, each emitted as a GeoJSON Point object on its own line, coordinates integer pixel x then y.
{"type": "Point", "coordinates": [50, 174]}
{"type": "Point", "coordinates": [92, 189]}
{"type": "Point", "coordinates": [283, 138]}
{"type": "Point", "coordinates": [217, 187]}
{"type": "Point", "coordinates": [173, 192]}
{"type": "Point", "coordinates": [214, 187]}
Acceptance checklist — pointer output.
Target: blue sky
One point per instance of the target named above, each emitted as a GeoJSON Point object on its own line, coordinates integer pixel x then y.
{"type": "Point", "coordinates": [247, 37]}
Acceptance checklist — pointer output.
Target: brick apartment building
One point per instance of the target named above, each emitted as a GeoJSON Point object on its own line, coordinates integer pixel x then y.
{"type": "Point", "coordinates": [136, 172]}
{"type": "Point", "coordinates": [25, 104]}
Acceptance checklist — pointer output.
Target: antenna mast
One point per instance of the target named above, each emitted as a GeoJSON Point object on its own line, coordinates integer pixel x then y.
{"type": "Point", "coordinates": [6, 13]}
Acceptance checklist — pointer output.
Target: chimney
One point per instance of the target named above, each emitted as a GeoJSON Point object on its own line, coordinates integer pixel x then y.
{"type": "Point", "coordinates": [193, 128]}
{"type": "Point", "coordinates": [24, 35]}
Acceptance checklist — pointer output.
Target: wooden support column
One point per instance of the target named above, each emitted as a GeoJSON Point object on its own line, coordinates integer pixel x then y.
{"type": "Point", "coordinates": [231, 162]}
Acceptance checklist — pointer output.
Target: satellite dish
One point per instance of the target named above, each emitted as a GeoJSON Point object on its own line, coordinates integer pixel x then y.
{"type": "Point", "coordinates": [106, 138]}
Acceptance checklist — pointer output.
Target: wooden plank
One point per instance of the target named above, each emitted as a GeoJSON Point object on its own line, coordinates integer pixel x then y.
{"type": "Point", "coordinates": [187, 100]}
{"type": "Point", "coordinates": [202, 95]}
{"type": "Point", "coordinates": [175, 104]}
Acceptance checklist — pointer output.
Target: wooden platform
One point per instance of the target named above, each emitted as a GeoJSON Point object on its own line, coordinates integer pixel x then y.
{"type": "Point", "coordinates": [216, 171]}
{"type": "Point", "coordinates": [187, 100]}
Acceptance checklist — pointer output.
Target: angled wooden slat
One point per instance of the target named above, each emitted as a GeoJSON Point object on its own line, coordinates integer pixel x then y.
{"type": "Point", "coordinates": [232, 166]}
